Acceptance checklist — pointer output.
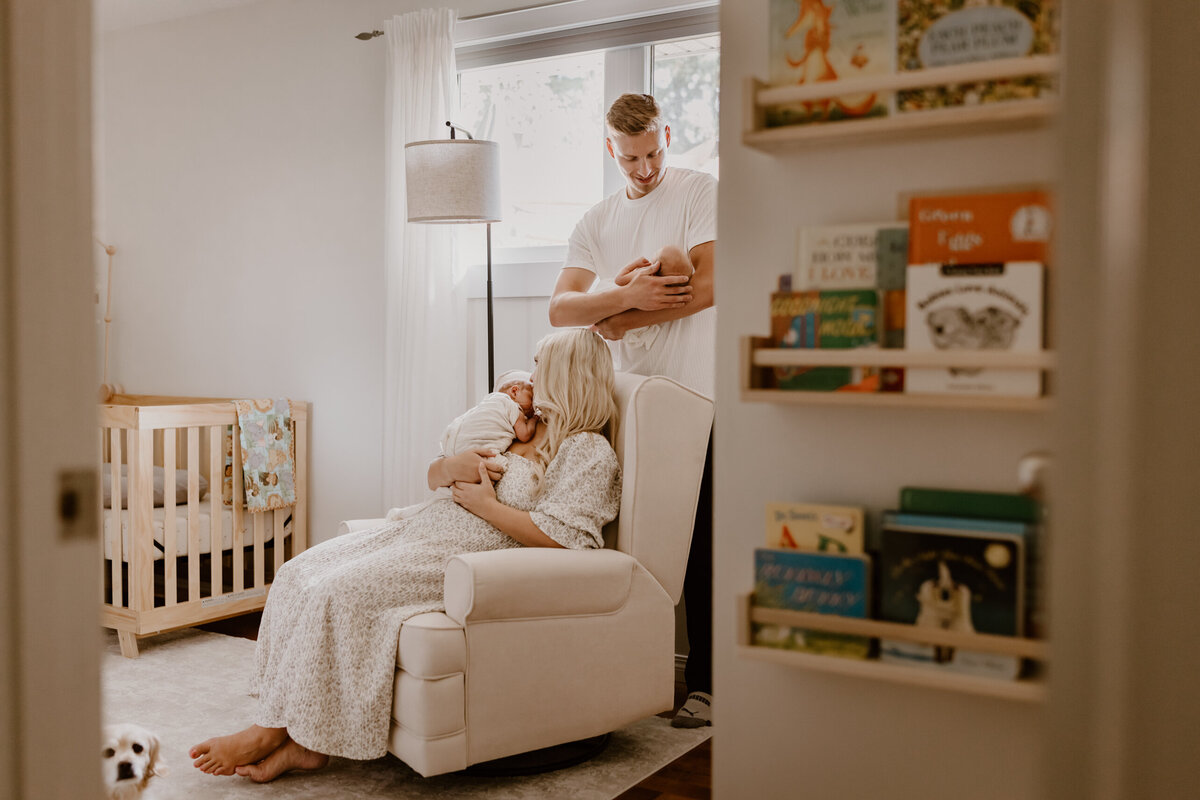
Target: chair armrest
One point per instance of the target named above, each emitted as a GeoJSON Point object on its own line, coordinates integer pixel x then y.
{"type": "Point", "coordinates": [536, 582]}
{"type": "Point", "coordinates": [352, 525]}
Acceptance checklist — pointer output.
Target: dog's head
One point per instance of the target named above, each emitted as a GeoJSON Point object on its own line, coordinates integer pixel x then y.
{"type": "Point", "coordinates": [952, 328]}
{"type": "Point", "coordinates": [130, 759]}
{"type": "Point", "coordinates": [944, 602]}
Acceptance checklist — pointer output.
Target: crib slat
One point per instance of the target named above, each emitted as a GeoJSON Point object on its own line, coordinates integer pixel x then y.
{"type": "Point", "coordinates": [142, 516]}
{"type": "Point", "coordinates": [193, 537]}
{"type": "Point", "coordinates": [216, 520]}
{"type": "Point", "coordinates": [260, 544]}
{"type": "Point", "coordinates": [114, 474]}
{"type": "Point", "coordinates": [279, 515]}
{"type": "Point", "coordinates": [169, 532]}
{"type": "Point", "coordinates": [239, 519]}
{"type": "Point", "coordinates": [300, 512]}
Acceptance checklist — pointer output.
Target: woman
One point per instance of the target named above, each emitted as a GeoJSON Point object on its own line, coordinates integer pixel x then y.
{"type": "Point", "coordinates": [326, 651]}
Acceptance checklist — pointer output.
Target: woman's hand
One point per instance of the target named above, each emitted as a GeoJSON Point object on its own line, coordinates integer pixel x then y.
{"type": "Point", "coordinates": [464, 467]}
{"type": "Point", "coordinates": [478, 497]}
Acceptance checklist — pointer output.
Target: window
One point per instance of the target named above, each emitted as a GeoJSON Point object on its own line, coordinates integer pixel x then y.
{"type": "Point", "coordinates": [543, 99]}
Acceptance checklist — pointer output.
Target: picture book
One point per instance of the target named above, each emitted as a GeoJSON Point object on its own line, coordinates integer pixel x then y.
{"type": "Point", "coordinates": [940, 33]}
{"type": "Point", "coordinates": [807, 526]}
{"type": "Point", "coordinates": [837, 257]}
{"type": "Point", "coordinates": [981, 228]}
{"type": "Point", "coordinates": [974, 307]}
{"type": "Point", "coordinates": [820, 583]}
{"type": "Point", "coordinates": [829, 40]}
{"type": "Point", "coordinates": [962, 503]}
{"type": "Point", "coordinates": [891, 264]}
{"type": "Point", "coordinates": [954, 579]}
{"type": "Point", "coordinates": [828, 320]}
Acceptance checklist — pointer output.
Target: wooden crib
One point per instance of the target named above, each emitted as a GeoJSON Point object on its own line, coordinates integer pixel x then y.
{"type": "Point", "coordinates": [222, 558]}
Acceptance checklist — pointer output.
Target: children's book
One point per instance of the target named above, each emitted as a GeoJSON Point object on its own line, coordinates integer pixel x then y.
{"type": "Point", "coordinates": [962, 503]}
{"type": "Point", "coordinates": [826, 319]}
{"type": "Point", "coordinates": [981, 228]}
{"type": "Point", "coordinates": [891, 264]}
{"type": "Point", "coordinates": [953, 575]}
{"type": "Point", "coordinates": [820, 583]}
{"type": "Point", "coordinates": [940, 33]}
{"type": "Point", "coordinates": [974, 307]}
{"type": "Point", "coordinates": [828, 40]}
{"type": "Point", "coordinates": [807, 526]}
{"type": "Point", "coordinates": [839, 257]}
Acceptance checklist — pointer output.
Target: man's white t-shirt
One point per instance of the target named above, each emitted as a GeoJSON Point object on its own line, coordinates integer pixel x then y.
{"type": "Point", "coordinates": [680, 211]}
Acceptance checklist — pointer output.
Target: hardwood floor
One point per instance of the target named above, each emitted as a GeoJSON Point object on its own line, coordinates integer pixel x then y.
{"type": "Point", "coordinates": [688, 777]}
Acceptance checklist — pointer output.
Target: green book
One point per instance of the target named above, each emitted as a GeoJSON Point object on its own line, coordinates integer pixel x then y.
{"type": "Point", "coordinates": [959, 503]}
{"type": "Point", "coordinates": [836, 319]}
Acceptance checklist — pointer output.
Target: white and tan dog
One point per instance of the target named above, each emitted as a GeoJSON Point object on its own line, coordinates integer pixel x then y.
{"type": "Point", "coordinates": [130, 758]}
{"type": "Point", "coordinates": [945, 604]}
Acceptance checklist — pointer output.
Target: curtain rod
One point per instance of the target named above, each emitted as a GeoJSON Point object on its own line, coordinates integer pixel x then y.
{"type": "Point", "coordinates": [367, 36]}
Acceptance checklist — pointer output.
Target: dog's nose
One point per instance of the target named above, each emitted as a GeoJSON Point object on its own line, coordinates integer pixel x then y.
{"type": "Point", "coordinates": [124, 771]}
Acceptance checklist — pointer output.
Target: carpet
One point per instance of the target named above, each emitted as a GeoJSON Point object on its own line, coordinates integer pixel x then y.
{"type": "Point", "coordinates": [189, 685]}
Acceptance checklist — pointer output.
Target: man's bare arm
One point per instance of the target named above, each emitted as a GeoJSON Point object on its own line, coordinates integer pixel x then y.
{"type": "Point", "coordinates": [702, 257]}
{"type": "Point", "coordinates": [573, 305]}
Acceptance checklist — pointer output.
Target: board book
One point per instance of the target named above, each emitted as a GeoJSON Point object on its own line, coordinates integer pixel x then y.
{"type": "Point", "coordinates": [980, 228]}
{"type": "Point", "coordinates": [828, 320]}
{"type": "Point", "coordinates": [974, 307]}
{"type": "Point", "coordinates": [964, 503]}
{"type": "Point", "coordinates": [807, 526]}
{"type": "Point", "coordinates": [812, 41]}
{"type": "Point", "coordinates": [965, 576]}
{"type": "Point", "coordinates": [820, 583]}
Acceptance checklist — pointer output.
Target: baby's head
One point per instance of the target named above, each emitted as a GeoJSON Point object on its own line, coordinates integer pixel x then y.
{"type": "Point", "coordinates": [521, 391]}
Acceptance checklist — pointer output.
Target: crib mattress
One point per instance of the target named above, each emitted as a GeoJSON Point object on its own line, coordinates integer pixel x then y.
{"type": "Point", "coordinates": [181, 531]}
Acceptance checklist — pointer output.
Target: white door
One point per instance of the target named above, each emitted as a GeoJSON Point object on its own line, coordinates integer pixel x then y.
{"type": "Point", "coordinates": [49, 578]}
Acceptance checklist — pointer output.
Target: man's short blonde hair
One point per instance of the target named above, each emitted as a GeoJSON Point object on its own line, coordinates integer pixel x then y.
{"type": "Point", "coordinates": [633, 114]}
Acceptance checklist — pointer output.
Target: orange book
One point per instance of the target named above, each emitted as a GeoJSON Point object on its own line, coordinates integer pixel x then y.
{"type": "Point", "coordinates": [980, 228]}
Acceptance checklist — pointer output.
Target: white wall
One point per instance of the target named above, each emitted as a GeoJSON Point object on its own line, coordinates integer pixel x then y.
{"type": "Point", "coordinates": [782, 730]}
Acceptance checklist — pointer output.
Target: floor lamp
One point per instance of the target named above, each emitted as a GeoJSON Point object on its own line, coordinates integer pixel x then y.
{"type": "Point", "coordinates": [454, 181]}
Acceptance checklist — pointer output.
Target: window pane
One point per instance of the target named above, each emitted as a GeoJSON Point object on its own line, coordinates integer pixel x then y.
{"type": "Point", "coordinates": [687, 83]}
{"type": "Point", "coordinates": [545, 115]}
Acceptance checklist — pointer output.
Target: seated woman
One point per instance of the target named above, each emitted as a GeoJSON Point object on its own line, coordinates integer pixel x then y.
{"type": "Point", "coordinates": [326, 653]}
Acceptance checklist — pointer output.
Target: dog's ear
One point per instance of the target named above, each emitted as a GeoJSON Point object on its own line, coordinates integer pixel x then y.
{"type": "Point", "coordinates": [156, 764]}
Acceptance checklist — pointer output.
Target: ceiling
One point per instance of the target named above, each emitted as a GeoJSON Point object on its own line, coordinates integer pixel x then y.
{"type": "Point", "coordinates": [116, 14]}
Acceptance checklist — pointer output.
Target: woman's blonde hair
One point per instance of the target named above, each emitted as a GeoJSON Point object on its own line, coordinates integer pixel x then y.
{"type": "Point", "coordinates": [573, 389]}
{"type": "Point", "coordinates": [633, 114]}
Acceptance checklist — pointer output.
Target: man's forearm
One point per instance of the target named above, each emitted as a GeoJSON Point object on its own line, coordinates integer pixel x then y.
{"type": "Point", "coordinates": [569, 309]}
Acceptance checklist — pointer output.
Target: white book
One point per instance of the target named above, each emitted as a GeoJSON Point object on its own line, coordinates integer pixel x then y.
{"type": "Point", "coordinates": [975, 307]}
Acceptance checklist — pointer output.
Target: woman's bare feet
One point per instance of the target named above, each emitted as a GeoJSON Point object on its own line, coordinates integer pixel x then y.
{"type": "Point", "coordinates": [221, 755]}
{"type": "Point", "coordinates": [291, 755]}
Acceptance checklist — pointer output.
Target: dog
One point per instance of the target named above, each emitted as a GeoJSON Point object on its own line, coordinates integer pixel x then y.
{"type": "Point", "coordinates": [130, 759]}
{"type": "Point", "coordinates": [945, 604]}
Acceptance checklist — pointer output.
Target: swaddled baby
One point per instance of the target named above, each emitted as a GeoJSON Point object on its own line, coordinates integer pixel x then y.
{"type": "Point", "coordinates": [504, 415]}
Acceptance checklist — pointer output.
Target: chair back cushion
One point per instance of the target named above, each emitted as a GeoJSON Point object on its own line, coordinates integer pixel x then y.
{"type": "Point", "coordinates": [661, 440]}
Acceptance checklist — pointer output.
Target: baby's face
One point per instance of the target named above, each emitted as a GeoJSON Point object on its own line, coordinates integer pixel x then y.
{"type": "Point", "coordinates": [522, 393]}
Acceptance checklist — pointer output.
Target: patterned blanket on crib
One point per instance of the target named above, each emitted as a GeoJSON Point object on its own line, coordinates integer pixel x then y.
{"type": "Point", "coordinates": [268, 455]}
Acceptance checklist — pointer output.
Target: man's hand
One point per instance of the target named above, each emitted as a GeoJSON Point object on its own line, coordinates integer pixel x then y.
{"type": "Point", "coordinates": [656, 292]}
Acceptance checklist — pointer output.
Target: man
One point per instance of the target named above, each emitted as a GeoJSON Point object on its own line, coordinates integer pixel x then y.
{"type": "Point", "coordinates": [614, 247]}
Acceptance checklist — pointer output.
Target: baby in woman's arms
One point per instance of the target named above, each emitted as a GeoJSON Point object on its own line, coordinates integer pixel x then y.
{"type": "Point", "coordinates": [504, 415]}
{"type": "Point", "coordinates": [669, 260]}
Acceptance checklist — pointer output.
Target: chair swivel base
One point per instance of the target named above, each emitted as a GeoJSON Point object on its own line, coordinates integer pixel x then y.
{"type": "Point", "coordinates": [547, 759]}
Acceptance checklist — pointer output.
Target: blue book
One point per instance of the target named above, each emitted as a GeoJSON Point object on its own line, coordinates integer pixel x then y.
{"type": "Point", "coordinates": [817, 582]}
{"type": "Point", "coordinates": [962, 524]}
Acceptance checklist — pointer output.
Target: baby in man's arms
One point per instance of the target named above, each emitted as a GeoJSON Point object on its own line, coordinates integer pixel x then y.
{"type": "Point", "coordinates": [504, 415]}
{"type": "Point", "coordinates": [670, 260]}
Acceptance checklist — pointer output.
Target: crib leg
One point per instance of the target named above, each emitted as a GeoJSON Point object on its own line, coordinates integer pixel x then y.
{"type": "Point", "coordinates": [128, 640]}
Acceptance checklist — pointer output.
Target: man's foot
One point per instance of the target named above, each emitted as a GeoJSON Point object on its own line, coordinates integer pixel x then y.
{"type": "Point", "coordinates": [290, 756]}
{"type": "Point", "coordinates": [695, 713]}
{"type": "Point", "coordinates": [221, 755]}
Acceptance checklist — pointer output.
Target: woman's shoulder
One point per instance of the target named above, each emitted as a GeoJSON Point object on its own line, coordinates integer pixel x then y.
{"type": "Point", "coordinates": [587, 442]}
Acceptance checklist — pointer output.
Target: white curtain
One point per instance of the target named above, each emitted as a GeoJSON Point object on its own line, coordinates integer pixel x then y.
{"type": "Point", "coordinates": [424, 373]}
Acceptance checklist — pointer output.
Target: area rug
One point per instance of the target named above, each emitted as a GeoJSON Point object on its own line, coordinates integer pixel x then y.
{"type": "Point", "coordinates": [189, 685]}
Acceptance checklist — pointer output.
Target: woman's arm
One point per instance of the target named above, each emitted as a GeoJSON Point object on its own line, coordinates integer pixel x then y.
{"type": "Point", "coordinates": [480, 499]}
{"type": "Point", "coordinates": [463, 467]}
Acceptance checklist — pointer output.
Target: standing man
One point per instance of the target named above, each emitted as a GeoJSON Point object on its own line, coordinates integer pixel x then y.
{"type": "Point", "coordinates": [615, 246]}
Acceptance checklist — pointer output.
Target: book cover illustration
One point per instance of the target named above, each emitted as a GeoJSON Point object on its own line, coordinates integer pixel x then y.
{"type": "Point", "coordinates": [974, 307]}
{"type": "Point", "coordinates": [837, 319]}
{"type": "Point", "coordinates": [828, 40]}
{"type": "Point", "coordinates": [980, 228]}
{"type": "Point", "coordinates": [940, 33]}
{"type": "Point", "coordinates": [808, 526]}
{"type": "Point", "coordinates": [963, 581]}
{"type": "Point", "coordinates": [819, 583]}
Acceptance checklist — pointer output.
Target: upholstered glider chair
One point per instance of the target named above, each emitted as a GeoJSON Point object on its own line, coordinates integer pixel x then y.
{"type": "Point", "coordinates": [540, 647]}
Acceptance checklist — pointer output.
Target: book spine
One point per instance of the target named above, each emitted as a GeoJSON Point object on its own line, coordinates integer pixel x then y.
{"type": "Point", "coordinates": [953, 503]}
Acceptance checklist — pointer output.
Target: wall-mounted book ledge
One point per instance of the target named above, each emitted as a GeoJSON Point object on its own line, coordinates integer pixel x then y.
{"type": "Point", "coordinates": [982, 117]}
{"type": "Point", "coordinates": [759, 358]}
{"type": "Point", "coordinates": [1024, 689]}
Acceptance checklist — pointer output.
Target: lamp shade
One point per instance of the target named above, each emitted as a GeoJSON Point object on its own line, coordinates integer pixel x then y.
{"type": "Point", "coordinates": [453, 180]}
